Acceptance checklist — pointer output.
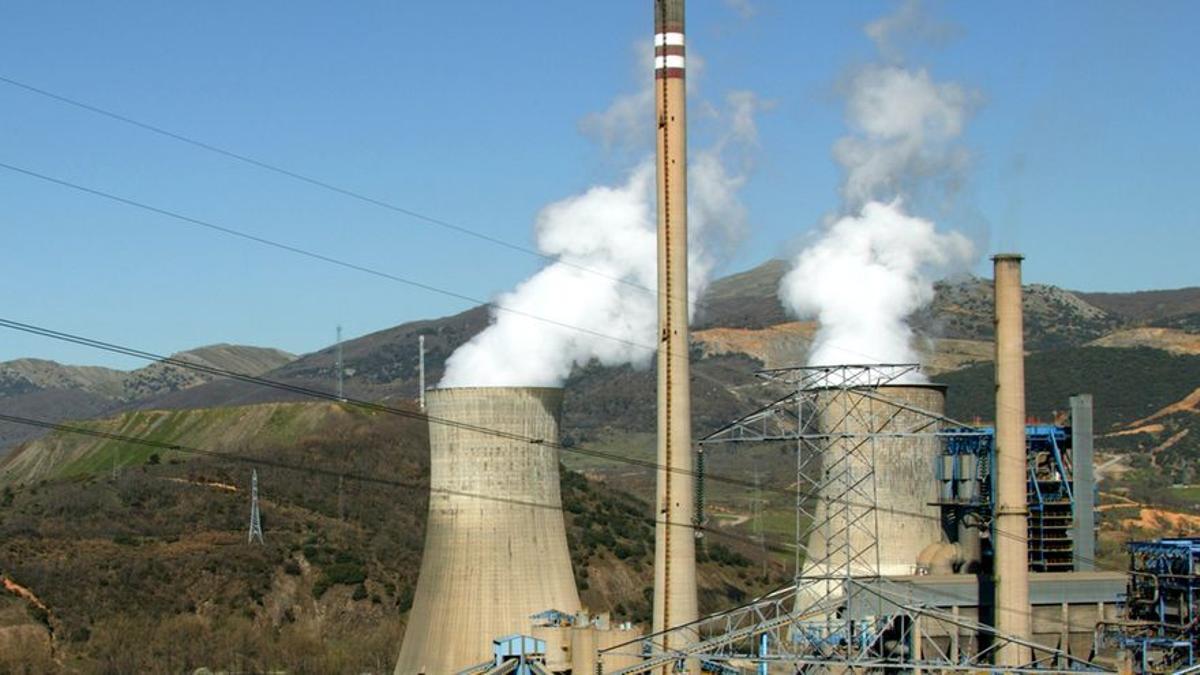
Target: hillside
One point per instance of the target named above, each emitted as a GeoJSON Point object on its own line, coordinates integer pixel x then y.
{"type": "Point", "coordinates": [1145, 405]}
{"type": "Point", "coordinates": [1128, 384]}
{"type": "Point", "coordinates": [53, 391]}
{"type": "Point", "coordinates": [1152, 307]}
{"type": "Point", "coordinates": [961, 309]}
{"type": "Point", "coordinates": [745, 300]}
{"type": "Point", "coordinates": [378, 366]}
{"type": "Point", "coordinates": [740, 318]}
{"type": "Point", "coordinates": [740, 327]}
{"type": "Point", "coordinates": [151, 571]}
{"type": "Point", "coordinates": [1171, 340]}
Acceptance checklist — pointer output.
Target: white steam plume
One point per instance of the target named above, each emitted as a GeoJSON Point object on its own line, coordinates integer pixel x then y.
{"type": "Point", "coordinates": [864, 277]}
{"type": "Point", "coordinates": [875, 264]}
{"type": "Point", "coordinates": [603, 284]}
{"type": "Point", "coordinates": [904, 128]}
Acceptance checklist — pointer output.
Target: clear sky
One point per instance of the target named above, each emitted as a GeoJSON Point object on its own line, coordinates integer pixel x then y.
{"type": "Point", "coordinates": [1085, 149]}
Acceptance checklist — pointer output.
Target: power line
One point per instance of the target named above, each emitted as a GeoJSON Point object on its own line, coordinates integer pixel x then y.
{"type": "Point", "coordinates": [325, 185]}
{"type": "Point", "coordinates": [332, 188]}
{"type": "Point", "coordinates": [347, 192]}
{"type": "Point", "coordinates": [314, 255]}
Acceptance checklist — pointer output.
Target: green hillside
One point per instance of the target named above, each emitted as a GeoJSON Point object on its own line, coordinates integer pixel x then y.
{"type": "Point", "coordinates": [1127, 384]}
{"type": "Point", "coordinates": [151, 571]}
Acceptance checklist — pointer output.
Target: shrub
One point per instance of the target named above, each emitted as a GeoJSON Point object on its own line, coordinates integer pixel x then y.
{"type": "Point", "coordinates": [40, 615]}
{"type": "Point", "coordinates": [726, 556]}
{"type": "Point", "coordinates": [345, 573]}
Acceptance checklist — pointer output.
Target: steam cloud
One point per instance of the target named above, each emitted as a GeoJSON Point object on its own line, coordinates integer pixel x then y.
{"type": "Point", "coordinates": [874, 264]}
{"type": "Point", "coordinates": [603, 283]}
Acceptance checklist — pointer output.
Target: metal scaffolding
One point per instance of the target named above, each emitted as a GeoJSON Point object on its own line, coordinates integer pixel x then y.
{"type": "Point", "coordinates": [839, 614]}
{"type": "Point", "coordinates": [1057, 527]}
{"type": "Point", "coordinates": [877, 625]}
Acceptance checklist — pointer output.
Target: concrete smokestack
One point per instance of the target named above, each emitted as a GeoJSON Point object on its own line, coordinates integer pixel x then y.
{"type": "Point", "coordinates": [491, 561]}
{"type": "Point", "coordinates": [1010, 543]}
{"type": "Point", "coordinates": [905, 479]}
{"type": "Point", "coordinates": [675, 543]}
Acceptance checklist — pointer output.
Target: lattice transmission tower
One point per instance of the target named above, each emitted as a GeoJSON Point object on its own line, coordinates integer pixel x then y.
{"type": "Point", "coordinates": [255, 517]}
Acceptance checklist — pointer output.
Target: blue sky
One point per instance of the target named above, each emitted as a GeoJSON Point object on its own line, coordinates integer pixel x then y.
{"type": "Point", "coordinates": [1085, 148]}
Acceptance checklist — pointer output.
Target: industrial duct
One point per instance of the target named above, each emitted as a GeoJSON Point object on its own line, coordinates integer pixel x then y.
{"type": "Point", "coordinates": [495, 543]}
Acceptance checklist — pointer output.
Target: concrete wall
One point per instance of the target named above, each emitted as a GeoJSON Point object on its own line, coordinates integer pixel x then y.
{"type": "Point", "coordinates": [495, 546]}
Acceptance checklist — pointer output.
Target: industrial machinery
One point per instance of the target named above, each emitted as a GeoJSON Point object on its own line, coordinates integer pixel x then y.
{"type": "Point", "coordinates": [1160, 626]}
{"type": "Point", "coordinates": [1061, 525]}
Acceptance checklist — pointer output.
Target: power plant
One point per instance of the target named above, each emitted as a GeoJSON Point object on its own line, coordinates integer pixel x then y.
{"type": "Point", "coordinates": [917, 546]}
{"type": "Point", "coordinates": [923, 543]}
{"type": "Point", "coordinates": [916, 517]}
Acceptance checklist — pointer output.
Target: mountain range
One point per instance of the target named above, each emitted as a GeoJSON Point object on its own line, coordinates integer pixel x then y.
{"type": "Point", "coordinates": [740, 326]}
{"type": "Point", "coordinates": [54, 392]}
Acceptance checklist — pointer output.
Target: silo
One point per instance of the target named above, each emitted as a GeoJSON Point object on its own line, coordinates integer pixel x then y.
{"type": "Point", "coordinates": [495, 541]}
{"type": "Point", "coordinates": [898, 463]}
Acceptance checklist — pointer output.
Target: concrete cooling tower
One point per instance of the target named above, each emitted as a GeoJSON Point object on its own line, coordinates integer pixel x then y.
{"type": "Point", "coordinates": [905, 482]}
{"type": "Point", "coordinates": [495, 542]}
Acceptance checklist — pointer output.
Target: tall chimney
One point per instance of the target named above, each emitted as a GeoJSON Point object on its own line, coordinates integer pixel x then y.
{"type": "Point", "coordinates": [675, 543]}
{"type": "Point", "coordinates": [1010, 543]}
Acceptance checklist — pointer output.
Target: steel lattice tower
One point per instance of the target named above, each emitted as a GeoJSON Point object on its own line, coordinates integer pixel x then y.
{"type": "Point", "coordinates": [255, 516]}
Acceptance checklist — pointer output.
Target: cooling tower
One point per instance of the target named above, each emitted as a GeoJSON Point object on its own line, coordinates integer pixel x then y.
{"type": "Point", "coordinates": [495, 542]}
{"type": "Point", "coordinates": [901, 470]}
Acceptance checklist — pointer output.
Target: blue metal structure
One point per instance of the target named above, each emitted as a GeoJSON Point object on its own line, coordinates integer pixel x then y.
{"type": "Point", "coordinates": [1161, 628]}
{"type": "Point", "coordinates": [967, 479]}
{"type": "Point", "coordinates": [513, 655]}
